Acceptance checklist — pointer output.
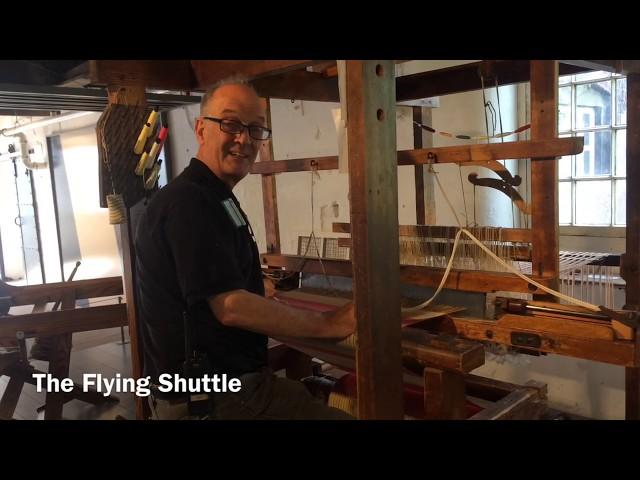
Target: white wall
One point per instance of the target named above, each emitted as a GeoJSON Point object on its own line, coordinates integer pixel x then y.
{"type": "Point", "coordinates": [97, 240]}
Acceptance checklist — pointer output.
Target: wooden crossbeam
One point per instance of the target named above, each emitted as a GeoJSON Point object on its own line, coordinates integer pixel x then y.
{"type": "Point", "coordinates": [466, 78]}
{"type": "Point", "coordinates": [507, 234]}
{"type": "Point", "coordinates": [467, 280]}
{"type": "Point", "coordinates": [165, 74]}
{"type": "Point", "coordinates": [64, 321]}
{"type": "Point", "coordinates": [624, 67]}
{"type": "Point", "coordinates": [208, 72]}
{"type": "Point", "coordinates": [573, 338]}
{"type": "Point", "coordinates": [477, 154]}
{"type": "Point", "coordinates": [53, 292]}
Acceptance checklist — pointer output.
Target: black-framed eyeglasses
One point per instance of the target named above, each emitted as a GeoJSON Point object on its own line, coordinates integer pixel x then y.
{"type": "Point", "coordinates": [235, 127]}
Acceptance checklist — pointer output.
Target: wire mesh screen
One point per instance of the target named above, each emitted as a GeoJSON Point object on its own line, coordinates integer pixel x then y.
{"type": "Point", "coordinates": [334, 251]}
{"type": "Point", "coordinates": [309, 247]}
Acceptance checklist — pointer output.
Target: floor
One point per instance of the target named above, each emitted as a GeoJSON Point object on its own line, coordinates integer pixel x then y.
{"type": "Point", "coordinates": [100, 351]}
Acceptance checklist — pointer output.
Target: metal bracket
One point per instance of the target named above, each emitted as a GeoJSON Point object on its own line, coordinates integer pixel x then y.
{"type": "Point", "coordinates": [630, 318]}
{"type": "Point", "coordinates": [529, 340]}
{"type": "Point", "coordinates": [503, 187]}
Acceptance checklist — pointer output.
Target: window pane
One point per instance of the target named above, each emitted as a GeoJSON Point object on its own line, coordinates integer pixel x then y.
{"type": "Point", "coordinates": [564, 109]}
{"type": "Point", "coordinates": [593, 203]}
{"type": "Point", "coordinates": [564, 192]}
{"type": "Point", "coordinates": [593, 104]}
{"type": "Point", "coordinates": [595, 158]}
{"type": "Point", "coordinates": [621, 101]}
{"type": "Point", "coordinates": [621, 202]}
{"type": "Point", "coordinates": [564, 79]}
{"type": "Point", "coordinates": [621, 153]}
{"type": "Point", "coordinates": [581, 77]}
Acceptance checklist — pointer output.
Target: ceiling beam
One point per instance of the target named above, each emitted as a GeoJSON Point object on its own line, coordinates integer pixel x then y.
{"type": "Point", "coordinates": [614, 66]}
{"type": "Point", "coordinates": [161, 74]}
{"type": "Point", "coordinates": [465, 78]}
{"type": "Point", "coordinates": [208, 72]}
{"type": "Point", "coordinates": [299, 85]}
{"type": "Point", "coordinates": [304, 85]}
{"type": "Point", "coordinates": [290, 79]}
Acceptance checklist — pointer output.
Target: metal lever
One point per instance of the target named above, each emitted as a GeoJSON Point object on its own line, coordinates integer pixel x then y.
{"type": "Point", "coordinates": [630, 318]}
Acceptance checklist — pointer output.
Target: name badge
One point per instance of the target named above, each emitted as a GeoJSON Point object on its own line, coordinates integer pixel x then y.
{"type": "Point", "coordinates": [233, 212]}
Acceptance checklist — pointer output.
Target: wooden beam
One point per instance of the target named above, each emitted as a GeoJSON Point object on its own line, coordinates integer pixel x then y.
{"type": "Point", "coordinates": [299, 85]}
{"type": "Point", "coordinates": [163, 74]}
{"type": "Point", "coordinates": [631, 260]}
{"type": "Point", "coordinates": [53, 292]}
{"type": "Point", "coordinates": [10, 397]}
{"type": "Point", "coordinates": [444, 395]}
{"type": "Point", "coordinates": [303, 85]}
{"type": "Point", "coordinates": [131, 96]}
{"type": "Point", "coordinates": [466, 280]}
{"type": "Point", "coordinates": [59, 359]}
{"type": "Point", "coordinates": [525, 403]}
{"type": "Point", "coordinates": [294, 165]}
{"type": "Point", "coordinates": [64, 321]}
{"type": "Point", "coordinates": [560, 337]}
{"type": "Point", "coordinates": [466, 78]}
{"type": "Point", "coordinates": [544, 175]}
{"type": "Point", "coordinates": [624, 67]}
{"type": "Point", "coordinates": [208, 72]}
{"type": "Point", "coordinates": [522, 235]}
{"type": "Point", "coordinates": [441, 351]}
{"type": "Point", "coordinates": [418, 169]}
{"type": "Point", "coordinates": [419, 348]}
{"type": "Point", "coordinates": [373, 181]}
{"type": "Point", "coordinates": [269, 193]}
{"type": "Point", "coordinates": [478, 154]}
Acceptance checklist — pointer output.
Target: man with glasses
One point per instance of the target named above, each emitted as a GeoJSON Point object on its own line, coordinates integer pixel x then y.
{"type": "Point", "coordinates": [196, 254]}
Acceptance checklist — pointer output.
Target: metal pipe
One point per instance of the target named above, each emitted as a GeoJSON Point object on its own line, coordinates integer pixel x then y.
{"type": "Point", "coordinates": [9, 132]}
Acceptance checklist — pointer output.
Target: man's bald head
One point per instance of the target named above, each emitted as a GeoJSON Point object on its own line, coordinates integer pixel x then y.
{"type": "Point", "coordinates": [220, 87]}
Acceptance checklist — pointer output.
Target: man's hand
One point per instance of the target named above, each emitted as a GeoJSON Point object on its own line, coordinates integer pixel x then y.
{"type": "Point", "coordinates": [269, 288]}
{"type": "Point", "coordinates": [342, 321]}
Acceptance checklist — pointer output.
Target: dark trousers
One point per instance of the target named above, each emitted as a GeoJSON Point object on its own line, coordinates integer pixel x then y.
{"type": "Point", "coordinates": [263, 396]}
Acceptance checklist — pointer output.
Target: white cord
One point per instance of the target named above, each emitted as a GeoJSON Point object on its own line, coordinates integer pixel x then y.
{"type": "Point", "coordinates": [444, 277]}
{"type": "Point", "coordinates": [555, 293]}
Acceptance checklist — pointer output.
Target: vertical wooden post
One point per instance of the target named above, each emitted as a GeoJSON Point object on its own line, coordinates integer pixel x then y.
{"type": "Point", "coordinates": [419, 169]}
{"type": "Point", "coordinates": [444, 395]}
{"type": "Point", "coordinates": [373, 180]}
{"type": "Point", "coordinates": [631, 259]}
{"type": "Point", "coordinates": [131, 96]}
{"type": "Point", "coordinates": [59, 359]}
{"type": "Point", "coordinates": [269, 193]}
{"type": "Point", "coordinates": [544, 172]}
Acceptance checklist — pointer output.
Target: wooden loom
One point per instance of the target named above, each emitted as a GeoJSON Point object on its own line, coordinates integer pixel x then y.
{"type": "Point", "coordinates": [371, 92]}
{"type": "Point", "coordinates": [59, 325]}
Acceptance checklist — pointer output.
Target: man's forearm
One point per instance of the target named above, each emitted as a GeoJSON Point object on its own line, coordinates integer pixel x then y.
{"type": "Point", "coordinates": [242, 309]}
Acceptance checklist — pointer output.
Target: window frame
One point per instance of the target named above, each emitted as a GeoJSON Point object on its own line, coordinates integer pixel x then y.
{"type": "Point", "coordinates": [612, 229]}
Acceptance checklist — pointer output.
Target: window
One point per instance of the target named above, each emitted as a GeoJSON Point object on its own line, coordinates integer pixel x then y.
{"type": "Point", "coordinates": [592, 186]}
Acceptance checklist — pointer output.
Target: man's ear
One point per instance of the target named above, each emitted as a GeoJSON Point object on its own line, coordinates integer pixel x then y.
{"type": "Point", "coordinates": [199, 130]}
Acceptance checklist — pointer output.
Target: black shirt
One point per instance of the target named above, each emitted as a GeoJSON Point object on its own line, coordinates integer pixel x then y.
{"type": "Point", "coordinates": [192, 242]}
